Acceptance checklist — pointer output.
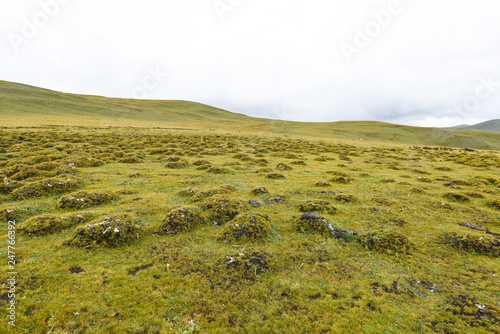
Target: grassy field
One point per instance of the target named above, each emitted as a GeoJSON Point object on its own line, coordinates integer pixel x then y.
{"type": "Point", "coordinates": [32, 106]}
{"type": "Point", "coordinates": [157, 230]}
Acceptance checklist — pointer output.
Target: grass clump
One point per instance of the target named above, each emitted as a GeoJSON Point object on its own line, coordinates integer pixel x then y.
{"type": "Point", "coordinates": [222, 208]}
{"type": "Point", "coordinates": [180, 220]}
{"type": "Point", "coordinates": [481, 244]}
{"type": "Point", "coordinates": [385, 242]}
{"type": "Point", "coordinates": [312, 222]}
{"type": "Point", "coordinates": [84, 199]}
{"type": "Point", "coordinates": [247, 227]}
{"type": "Point", "coordinates": [217, 170]}
{"type": "Point", "coordinates": [108, 231]}
{"type": "Point", "coordinates": [46, 187]}
{"type": "Point", "coordinates": [317, 206]}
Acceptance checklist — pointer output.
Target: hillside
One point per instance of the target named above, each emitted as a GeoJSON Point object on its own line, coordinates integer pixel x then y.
{"type": "Point", "coordinates": [33, 106]}
{"type": "Point", "coordinates": [491, 125]}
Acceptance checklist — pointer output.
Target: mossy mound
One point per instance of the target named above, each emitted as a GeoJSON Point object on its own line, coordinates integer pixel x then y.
{"type": "Point", "coordinates": [177, 165]}
{"type": "Point", "coordinates": [247, 227]}
{"type": "Point", "coordinates": [48, 186]}
{"type": "Point", "coordinates": [188, 192]}
{"type": "Point", "coordinates": [247, 264]}
{"type": "Point", "coordinates": [341, 179]}
{"type": "Point", "coordinates": [386, 242]}
{"type": "Point", "coordinates": [275, 176]}
{"type": "Point", "coordinates": [173, 159]}
{"type": "Point", "coordinates": [218, 170]}
{"type": "Point", "coordinates": [43, 224]}
{"type": "Point", "coordinates": [457, 197]}
{"type": "Point", "coordinates": [317, 206]}
{"type": "Point", "coordinates": [260, 191]}
{"type": "Point", "coordinates": [342, 198]}
{"type": "Point", "coordinates": [28, 172]}
{"type": "Point", "coordinates": [493, 203]}
{"type": "Point", "coordinates": [131, 158]}
{"type": "Point", "coordinates": [202, 195]}
{"type": "Point", "coordinates": [180, 220]}
{"type": "Point", "coordinates": [8, 214]}
{"type": "Point", "coordinates": [298, 162]}
{"type": "Point", "coordinates": [86, 162]}
{"type": "Point", "coordinates": [322, 184]}
{"type": "Point", "coordinates": [222, 208]}
{"type": "Point", "coordinates": [312, 222]}
{"type": "Point", "coordinates": [109, 231]}
{"type": "Point", "coordinates": [201, 162]}
{"type": "Point", "coordinates": [481, 244]}
{"type": "Point", "coordinates": [84, 199]}
{"type": "Point", "coordinates": [472, 311]}
{"type": "Point", "coordinates": [283, 166]}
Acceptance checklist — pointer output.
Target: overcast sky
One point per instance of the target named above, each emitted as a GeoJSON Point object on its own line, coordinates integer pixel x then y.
{"type": "Point", "coordinates": [420, 62]}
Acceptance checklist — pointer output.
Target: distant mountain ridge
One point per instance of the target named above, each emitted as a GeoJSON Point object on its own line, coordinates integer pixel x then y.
{"type": "Point", "coordinates": [24, 105]}
{"type": "Point", "coordinates": [491, 125]}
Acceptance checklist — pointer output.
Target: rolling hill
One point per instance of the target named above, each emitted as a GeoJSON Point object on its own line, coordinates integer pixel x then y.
{"type": "Point", "coordinates": [31, 106]}
{"type": "Point", "coordinates": [491, 125]}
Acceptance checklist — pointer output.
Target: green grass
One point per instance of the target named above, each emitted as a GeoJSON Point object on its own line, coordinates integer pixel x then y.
{"type": "Point", "coordinates": [287, 281]}
{"type": "Point", "coordinates": [31, 106]}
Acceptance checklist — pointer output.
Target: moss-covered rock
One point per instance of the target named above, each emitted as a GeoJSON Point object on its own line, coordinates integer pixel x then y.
{"type": "Point", "coordinates": [317, 206]}
{"type": "Point", "coordinates": [28, 172]}
{"type": "Point", "coordinates": [312, 222]}
{"type": "Point", "coordinates": [84, 199]}
{"type": "Point", "coordinates": [389, 242]}
{"type": "Point", "coordinates": [180, 220]}
{"type": "Point", "coordinates": [222, 208]}
{"type": "Point", "coordinates": [480, 244]}
{"type": "Point", "coordinates": [322, 184]}
{"type": "Point", "coordinates": [48, 186]}
{"type": "Point", "coordinates": [247, 227]}
{"type": "Point", "coordinates": [109, 231]}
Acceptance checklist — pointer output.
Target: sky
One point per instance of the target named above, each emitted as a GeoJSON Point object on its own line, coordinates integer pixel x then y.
{"type": "Point", "coordinates": [413, 62]}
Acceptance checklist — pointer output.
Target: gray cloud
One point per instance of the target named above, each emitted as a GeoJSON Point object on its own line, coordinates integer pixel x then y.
{"type": "Point", "coordinates": [422, 65]}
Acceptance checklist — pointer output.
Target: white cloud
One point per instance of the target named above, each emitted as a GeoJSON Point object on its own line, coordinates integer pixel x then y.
{"type": "Point", "coordinates": [265, 56]}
